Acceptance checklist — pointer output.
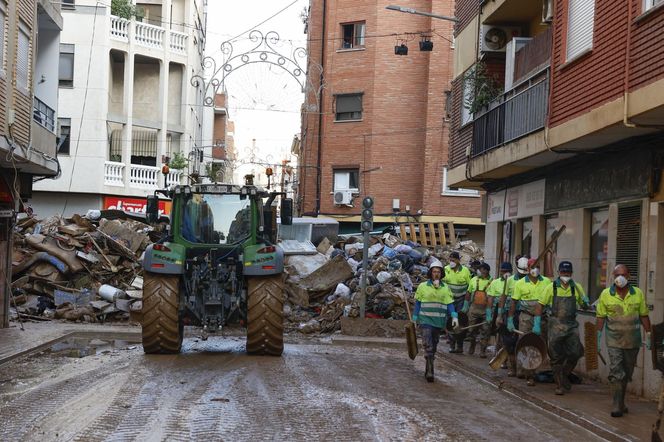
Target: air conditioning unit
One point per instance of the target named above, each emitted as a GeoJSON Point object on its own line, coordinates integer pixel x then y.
{"type": "Point", "coordinates": [342, 197]}
{"type": "Point", "coordinates": [547, 11]}
{"type": "Point", "coordinates": [495, 38]}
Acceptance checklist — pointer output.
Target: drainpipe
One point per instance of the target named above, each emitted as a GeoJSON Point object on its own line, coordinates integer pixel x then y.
{"type": "Point", "coordinates": [319, 172]}
{"type": "Point", "coordinates": [626, 121]}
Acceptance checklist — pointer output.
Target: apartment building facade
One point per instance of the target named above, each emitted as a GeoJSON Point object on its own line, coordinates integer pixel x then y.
{"type": "Point", "coordinates": [572, 136]}
{"type": "Point", "coordinates": [29, 38]}
{"type": "Point", "coordinates": [127, 104]}
{"type": "Point", "coordinates": [224, 156]}
{"type": "Point", "coordinates": [374, 122]}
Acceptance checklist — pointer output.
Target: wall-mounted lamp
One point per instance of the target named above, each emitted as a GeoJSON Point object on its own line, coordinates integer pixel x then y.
{"type": "Point", "coordinates": [401, 49]}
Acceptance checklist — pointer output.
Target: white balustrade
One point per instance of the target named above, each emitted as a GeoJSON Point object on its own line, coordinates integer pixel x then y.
{"type": "Point", "coordinates": [174, 178]}
{"type": "Point", "coordinates": [114, 173]}
{"type": "Point", "coordinates": [149, 35]}
{"type": "Point", "coordinates": [178, 42]}
{"type": "Point", "coordinates": [145, 177]}
{"type": "Point", "coordinates": [119, 28]}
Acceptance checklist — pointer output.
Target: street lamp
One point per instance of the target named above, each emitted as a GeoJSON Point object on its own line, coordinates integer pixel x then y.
{"type": "Point", "coordinates": [416, 12]}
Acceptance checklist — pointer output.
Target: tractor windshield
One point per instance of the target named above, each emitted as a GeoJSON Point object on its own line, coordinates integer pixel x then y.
{"type": "Point", "coordinates": [216, 219]}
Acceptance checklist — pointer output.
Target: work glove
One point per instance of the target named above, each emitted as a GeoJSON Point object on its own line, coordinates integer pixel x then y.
{"type": "Point", "coordinates": [585, 302]}
{"type": "Point", "coordinates": [489, 315]}
{"type": "Point", "coordinates": [537, 327]}
{"type": "Point", "coordinates": [510, 323]}
{"type": "Point", "coordinates": [648, 340]}
{"type": "Point", "coordinates": [499, 318]}
{"type": "Point", "coordinates": [599, 340]}
{"type": "Point", "coordinates": [466, 307]}
{"type": "Point", "coordinates": [416, 317]}
{"type": "Point", "coordinates": [455, 320]}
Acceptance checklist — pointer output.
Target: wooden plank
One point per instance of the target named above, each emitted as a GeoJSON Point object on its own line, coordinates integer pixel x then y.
{"type": "Point", "coordinates": [450, 229]}
{"type": "Point", "coordinates": [441, 234]}
{"type": "Point", "coordinates": [402, 229]}
{"type": "Point", "coordinates": [413, 234]}
{"type": "Point", "coordinates": [423, 236]}
{"type": "Point", "coordinates": [432, 235]}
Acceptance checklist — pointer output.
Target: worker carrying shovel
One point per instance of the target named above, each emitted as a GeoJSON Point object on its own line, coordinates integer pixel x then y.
{"type": "Point", "coordinates": [565, 349]}
{"type": "Point", "coordinates": [622, 309]}
{"type": "Point", "coordinates": [479, 311]}
{"type": "Point", "coordinates": [433, 304]}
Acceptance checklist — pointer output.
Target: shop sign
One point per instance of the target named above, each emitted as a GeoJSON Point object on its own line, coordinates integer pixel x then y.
{"type": "Point", "coordinates": [516, 202]}
{"type": "Point", "coordinates": [134, 205]}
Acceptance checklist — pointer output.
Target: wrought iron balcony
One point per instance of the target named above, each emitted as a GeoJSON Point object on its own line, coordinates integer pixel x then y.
{"type": "Point", "coordinates": [43, 114]}
{"type": "Point", "coordinates": [513, 115]}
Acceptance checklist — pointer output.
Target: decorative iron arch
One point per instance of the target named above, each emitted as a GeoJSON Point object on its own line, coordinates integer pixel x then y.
{"type": "Point", "coordinates": [264, 50]}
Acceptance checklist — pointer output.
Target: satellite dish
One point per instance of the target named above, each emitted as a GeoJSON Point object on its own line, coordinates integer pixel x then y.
{"type": "Point", "coordinates": [495, 39]}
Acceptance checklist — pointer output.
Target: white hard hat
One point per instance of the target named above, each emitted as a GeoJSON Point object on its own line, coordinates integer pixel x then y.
{"type": "Point", "coordinates": [522, 265]}
{"type": "Point", "coordinates": [436, 263]}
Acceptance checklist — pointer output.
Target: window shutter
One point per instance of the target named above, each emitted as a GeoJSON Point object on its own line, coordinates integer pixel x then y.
{"type": "Point", "coordinates": [629, 240]}
{"type": "Point", "coordinates": [349, 103]}
{"type": "Point", "coordinates": [580, 25]}
{"type": "Point", "coordinates": [3, 17]}
{"type": "Point", "coordinates": [23, 58]}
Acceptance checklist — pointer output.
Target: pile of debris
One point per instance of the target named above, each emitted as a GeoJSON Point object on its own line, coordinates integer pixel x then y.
{"type": "Point", "coordinates": [322, 288]}
{"type": "Point", "coordinates": [78, 268]}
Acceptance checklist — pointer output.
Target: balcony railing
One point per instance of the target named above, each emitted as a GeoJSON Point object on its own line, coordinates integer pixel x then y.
{"type": "Point", "coordinates": [512, 116]}
{"type": "Point", "coordinates": [148, 35]}
{"type": "Point", "coordinates": [140, 177]}
{"type": "Point", "coordinates": [43, 114]}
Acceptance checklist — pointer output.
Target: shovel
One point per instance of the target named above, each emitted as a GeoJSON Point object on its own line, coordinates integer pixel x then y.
{"type": "Point", "coordinates": [411, 336]}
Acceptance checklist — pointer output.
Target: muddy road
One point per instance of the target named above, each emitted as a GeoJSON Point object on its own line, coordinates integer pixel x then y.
{"type": "Point", "coordinates": [214, 391]}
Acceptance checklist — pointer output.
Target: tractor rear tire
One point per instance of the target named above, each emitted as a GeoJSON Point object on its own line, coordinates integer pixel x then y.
{"type": "Point", "coordinates": [162, 328]}
{"type": "Point", "coordinates": [265, 315]}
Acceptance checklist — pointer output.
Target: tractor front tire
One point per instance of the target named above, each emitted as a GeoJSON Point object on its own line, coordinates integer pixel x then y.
{"type": "Point", "coordinates": [265, 315]}
{"type": "Point", "coordinates": [162, 328]}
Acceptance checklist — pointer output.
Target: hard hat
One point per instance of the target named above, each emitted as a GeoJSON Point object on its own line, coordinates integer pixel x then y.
{"type": "Point", "coordinates": [436, 263]}
{"type": "Point", "coordinates": [565, 266]}
{"type": "Point", "coordinates": [522, 265]}
{"type": "Point", "coordinates": [506, 267]}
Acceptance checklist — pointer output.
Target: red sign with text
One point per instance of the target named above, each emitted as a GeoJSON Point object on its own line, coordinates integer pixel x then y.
{"type": "Point", "coordinates": [136, 205]}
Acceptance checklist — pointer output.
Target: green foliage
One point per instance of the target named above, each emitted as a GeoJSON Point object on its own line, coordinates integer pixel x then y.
{"type": "Point", "coordinates": [126, 9]}
{"type": "Point", "coordinates": [178, 161]}
{"type": "Point", "coordinates": [212, 169]}
{"type": "Point", "coordinates": [483, 87]}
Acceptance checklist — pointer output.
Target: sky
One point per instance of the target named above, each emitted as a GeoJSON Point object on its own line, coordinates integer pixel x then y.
{"type": "Point", "coordinates": [264, 100]}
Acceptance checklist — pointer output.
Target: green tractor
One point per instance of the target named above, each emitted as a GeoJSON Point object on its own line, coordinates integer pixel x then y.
{"type": "Point", "coordinates": [219, 264]}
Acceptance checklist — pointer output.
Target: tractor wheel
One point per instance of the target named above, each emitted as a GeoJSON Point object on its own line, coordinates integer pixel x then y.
{"type": "Point", "coordinates": [265, 315]}
{"type": "Point", "coordinates": [162, 328]}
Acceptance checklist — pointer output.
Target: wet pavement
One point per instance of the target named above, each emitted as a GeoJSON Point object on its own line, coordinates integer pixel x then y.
{"type": "Point", "coordinates": [214, 391]}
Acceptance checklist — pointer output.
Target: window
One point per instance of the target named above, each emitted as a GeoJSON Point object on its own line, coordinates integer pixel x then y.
{"type": "Point", "coordinates": [23, 58]}
{"type": "Point", "coordinates": [628, 247]}
{"type": "Point", "coordinates": [67, 4]}
{"type": "Point", "coordinates": [65, 133]}
{"type": "Point", "coordinates": [580, 24]}
{"type": "Point", "coordinates": [456, 191]}
{"type": "Point", "coordinates": [3, 21]}
{"type": "Point", "coordinates": [353, 35]}
{"type": "Point", "coordinates": [349, 107]}
{"type": "Point", "coordinates": [66, 70]}
{"type": "Point", "coordinates": [347, 179]}
{"type": "Point", "coordinates": [599, 252]}
{"type": "Point", "coordinates": [649, 4]}
{"type": "Point", "coordinates": [467, 101]}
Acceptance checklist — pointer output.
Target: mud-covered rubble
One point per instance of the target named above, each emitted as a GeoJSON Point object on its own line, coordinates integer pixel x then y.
{"type": "Point", "coordinates": [322, 288]}
{"type": "Point", "coordinates": [78, 268]}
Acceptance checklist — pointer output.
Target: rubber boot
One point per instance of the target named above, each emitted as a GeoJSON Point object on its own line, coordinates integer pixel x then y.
{"type": "Point", "coordinates": [558, 378]}
{"type": "Point", "coordinates": [482, 351]}
{"type": "Point", "coordinates": [618, 400]}
{"type": "Point", "coordinates": [511, 362]}
{"type": "Point", "coordinates": [567, 370]}
{"type": "Point", "coordinates": [623, 387]}
{"type": "Point", "coordinates": [428, 373]}
{"type": "Point", "coordinates": [471, 348]}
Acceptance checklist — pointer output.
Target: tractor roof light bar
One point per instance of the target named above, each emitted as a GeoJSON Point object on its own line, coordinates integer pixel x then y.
{"type": "Point", "coordinates": [416, 12]}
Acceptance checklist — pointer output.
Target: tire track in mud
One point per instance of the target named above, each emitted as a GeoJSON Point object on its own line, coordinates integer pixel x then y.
{"type": "Point", "coordinates": [34, 404]}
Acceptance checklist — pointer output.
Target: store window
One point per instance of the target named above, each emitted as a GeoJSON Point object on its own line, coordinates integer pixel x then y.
{"type": "Point", "coordinates": [599, 244]}
{"type": "Point", "coordinates": [506, 246]}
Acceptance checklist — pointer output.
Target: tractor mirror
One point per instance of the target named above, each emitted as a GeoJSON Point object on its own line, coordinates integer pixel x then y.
{"type": "Point", "coordinates": [152, 209]}
{"type": "Point", "coordinates": [286, 211]}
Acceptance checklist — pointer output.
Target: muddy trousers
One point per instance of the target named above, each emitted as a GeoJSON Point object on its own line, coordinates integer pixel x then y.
{"type": "Point", "coordinates": [565, 349]}
{"type": "Point", "coordinates": [456, 339]}
{"type": "Point", "coordinates": [430, 338]}
{"type": "Point", "coordinates": [477, 315]}
{"type": "Point", "coordinates": [621, 366]}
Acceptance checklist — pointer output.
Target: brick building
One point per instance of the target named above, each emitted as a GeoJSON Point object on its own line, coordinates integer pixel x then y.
{"type": "Point", "coordinates": [383, 122]}
{"type": "Point", "coordinates": [571, 136]}
{"type": "Point", "coordinates": [224, 154]}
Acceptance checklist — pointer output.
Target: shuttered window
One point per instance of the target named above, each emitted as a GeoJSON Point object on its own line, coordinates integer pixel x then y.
{"type": "Point", "coordinates": [580, 25]}
{"type": "Point", "coordinates": [23, 58]}
{"type": "Point", "coordinates": [3, 21]}
{"type": "Point", "coordinates": [348, 107]}
{"type": "Point", "coordinates": [66, 67]}
{"type": "Point", "coordinates": [629, 240]}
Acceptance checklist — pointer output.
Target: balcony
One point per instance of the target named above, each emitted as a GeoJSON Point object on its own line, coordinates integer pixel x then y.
{"type": "Point", "coordinates": [43, 114]}
{"type": "Point", "coordinates": [515, 114]}
{"type": "Point", "coordinates": [148, 36]}
{"type": "Point", "coordinates": [140, 177]}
